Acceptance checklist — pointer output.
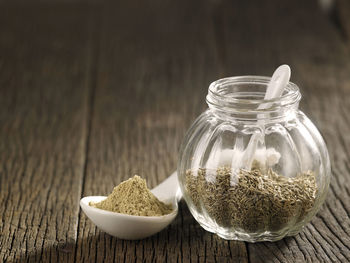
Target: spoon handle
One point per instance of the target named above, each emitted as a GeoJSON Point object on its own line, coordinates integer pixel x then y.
{"type": "Point", "coordinates": [168, 189]}
{"type": "Point", "coordinates": [275, 88]}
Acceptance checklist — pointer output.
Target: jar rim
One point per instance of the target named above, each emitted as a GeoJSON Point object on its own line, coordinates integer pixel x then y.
{"type": "Point", "coordinates": [220, 97]}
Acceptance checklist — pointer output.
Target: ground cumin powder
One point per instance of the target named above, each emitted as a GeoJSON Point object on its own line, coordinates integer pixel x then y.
{"type": "Point", "coordinates": [132, 197]}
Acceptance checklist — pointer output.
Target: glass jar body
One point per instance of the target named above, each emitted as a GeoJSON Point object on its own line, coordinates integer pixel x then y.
{"type": "Point", "coordinates": [253, 193]}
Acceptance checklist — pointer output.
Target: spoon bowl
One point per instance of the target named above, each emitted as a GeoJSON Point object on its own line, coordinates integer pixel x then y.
{"type": "Point", "coordinates": [135, 227]}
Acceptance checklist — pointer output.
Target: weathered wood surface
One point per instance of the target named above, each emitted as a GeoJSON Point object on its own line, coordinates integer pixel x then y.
{"type": "Point", "coordinates": [108, 91]}
{"type": "Point", "coordinates": [44, 85]}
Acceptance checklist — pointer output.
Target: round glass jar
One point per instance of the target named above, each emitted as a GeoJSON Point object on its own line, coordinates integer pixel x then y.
{"type": "Point", "coordinates": [252, 169]}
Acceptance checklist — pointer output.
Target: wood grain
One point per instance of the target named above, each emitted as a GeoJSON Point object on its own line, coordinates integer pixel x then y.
{"type": "Point", "coordinates": [138, 85]}
{"type": "Point", "coordinates": [304, 39]}
{"type": "Point", "coordinates": [150, 86]}
{"type": "Point", "coordinates": [44, 64]}
{"type": "Point", "coordinates": [92, 94]}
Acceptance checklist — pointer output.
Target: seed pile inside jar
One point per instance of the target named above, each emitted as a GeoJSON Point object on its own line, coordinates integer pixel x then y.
{"type": "Point", "coordinates": [253, 201]}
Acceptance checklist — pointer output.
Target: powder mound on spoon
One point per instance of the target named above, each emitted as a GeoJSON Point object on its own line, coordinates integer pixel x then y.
{"type": "Point", "coordinates": [132, 197]}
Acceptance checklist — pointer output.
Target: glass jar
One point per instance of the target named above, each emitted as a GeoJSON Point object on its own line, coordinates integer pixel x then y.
{"type": "Point", "coordinates": [252, 169]}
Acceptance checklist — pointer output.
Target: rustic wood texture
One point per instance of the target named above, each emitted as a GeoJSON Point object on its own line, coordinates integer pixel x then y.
{"type": "Point", "coordinates": [164, 68]}
{"type": "Point", "coordinates": [44, 64]}
{"type": "Point", "coordinates": [109, 91]}
{"type": "Point", "coordinates": [320, 65]}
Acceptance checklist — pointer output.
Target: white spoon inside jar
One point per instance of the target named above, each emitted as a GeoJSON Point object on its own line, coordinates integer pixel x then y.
{"type": "Point", "coordinates": [279, 80]}
{"type": "Point", "coordinates": [132, 227]}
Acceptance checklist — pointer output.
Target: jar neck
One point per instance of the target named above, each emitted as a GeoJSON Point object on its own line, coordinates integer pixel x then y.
{"type": "Point", "coordinates": [242, 98]}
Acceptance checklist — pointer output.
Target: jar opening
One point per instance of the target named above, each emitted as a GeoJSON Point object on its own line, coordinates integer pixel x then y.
{"type": "Point", "coordinates": [244, 96]}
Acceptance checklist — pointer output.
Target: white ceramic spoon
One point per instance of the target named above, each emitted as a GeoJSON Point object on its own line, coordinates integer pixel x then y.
{"type": "Point", "coordinates": [275, 88]}
{"type": "Point", "coordinates": [135, 227]}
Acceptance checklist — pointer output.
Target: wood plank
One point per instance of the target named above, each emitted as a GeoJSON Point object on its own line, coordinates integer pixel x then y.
{"type": "Point", "coordinates": [44, 93]}
{"type": "Point", "coordinates": [140, 114]}
{"type": "Point", "coordinates": [139, 109]}
{"type": "Point", "coordinates": [156, 62]}
{"type": "Point", "coordinates": [296, 33]}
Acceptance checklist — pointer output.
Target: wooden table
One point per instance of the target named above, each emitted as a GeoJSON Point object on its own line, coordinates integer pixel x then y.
{"type": "Point", "coordinates": [94, 92]}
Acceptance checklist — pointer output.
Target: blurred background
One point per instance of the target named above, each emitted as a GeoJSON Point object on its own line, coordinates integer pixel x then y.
{"type": "Point", "coordinates": [93, 92]}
